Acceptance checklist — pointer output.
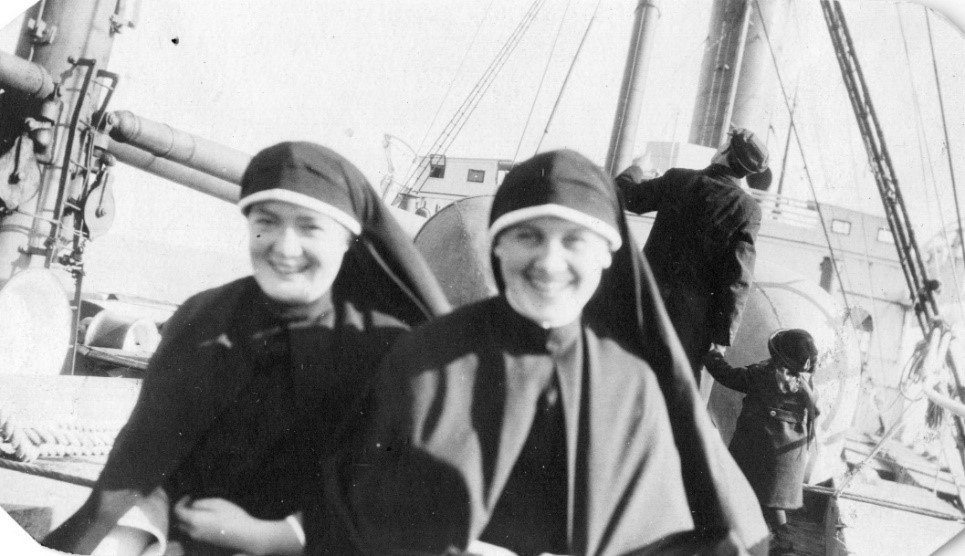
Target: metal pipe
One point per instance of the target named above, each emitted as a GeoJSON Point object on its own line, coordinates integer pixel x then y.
{"type": "Point", "coordinates": [175, 172]}
{"type": "Point", "coordinates": [627, 119]}
{"type": "Point", "coordinates": [752, 107]}
{"type": "Point", "coordinates": [718, 72]}
{"type": "Point", "coordinates": [25, 77]}
{"type": "Point", "coordinates": [215, 187]}
{"type": "Point", "coordinates": [735, 79]}
{"type": "Point", "coordinates": [83, 33]}
{"type": "Point", "coordinates": [178, 146]}
{"type": "Point", "coordinates": [817, 489]}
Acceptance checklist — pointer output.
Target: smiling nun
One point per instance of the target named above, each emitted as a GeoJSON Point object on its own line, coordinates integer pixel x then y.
{"type": "Point", "coordinates": [253, 379]}
{"type": "Point", "coordinates": [558, 417]}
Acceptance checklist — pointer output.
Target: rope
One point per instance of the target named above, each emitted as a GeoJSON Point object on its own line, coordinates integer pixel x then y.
{"type": "Point", "coordinates": [34, 469]}
{"type": "Point", "coordinates": [542, 78]}
{"type": "Point", "coordinates": [36, 217]}
{"type": "Point", "coordinates": [948, 145]}
{"type": "Point", "coordinates": [925, 152]}
{"type": "Point", "coordinates": [56, 440]}
{"type": "Point", "coordinates": [884, 503]}
{"type": "Point", "coordinates": [566, 79]}
{"type": "Point", "coordinates": [804, 164]}
{"type": "Point", "coordinates": [468, 106]}
{"type": "Point", "coordinates": [453, 82]}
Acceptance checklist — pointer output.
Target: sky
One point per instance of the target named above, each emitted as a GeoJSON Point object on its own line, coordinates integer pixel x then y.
{"type": "Point", "coordinates": [249, 73]}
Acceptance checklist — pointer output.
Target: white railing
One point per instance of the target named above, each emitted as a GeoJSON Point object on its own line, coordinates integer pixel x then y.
{"type": "Point", "coordinates": [786, 210]}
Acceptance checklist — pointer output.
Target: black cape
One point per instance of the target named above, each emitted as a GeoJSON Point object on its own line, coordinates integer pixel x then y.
{"type": "Point", "coordinates": [426, 476]}
{"type": "Point", "coordinates": [202, 365]}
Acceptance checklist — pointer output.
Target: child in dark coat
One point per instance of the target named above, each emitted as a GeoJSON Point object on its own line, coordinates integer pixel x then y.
{"type": "Point", "coordinates": [776, 424]}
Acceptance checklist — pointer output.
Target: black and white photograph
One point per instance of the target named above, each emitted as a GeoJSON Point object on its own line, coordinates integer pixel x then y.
{"type": "Point", "coordinates": [482, 277]}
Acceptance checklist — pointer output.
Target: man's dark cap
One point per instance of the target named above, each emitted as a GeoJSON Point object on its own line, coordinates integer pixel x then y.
{"type": "Point", "coordinates": [748, 154]}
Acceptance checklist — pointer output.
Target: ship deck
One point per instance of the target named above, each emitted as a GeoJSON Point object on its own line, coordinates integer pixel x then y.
{"type": "Point", "coordinates": [807, 528]}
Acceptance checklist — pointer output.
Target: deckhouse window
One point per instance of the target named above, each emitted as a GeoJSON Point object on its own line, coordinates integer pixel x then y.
{"type": "Point", "coordinates": [842, 227]}
{"type": "Point", "coordinates": [884, 236]}
{"type": "Point", "coordinates": [476, 176]}
{"type": "Point", "coordinates": [437, 166]}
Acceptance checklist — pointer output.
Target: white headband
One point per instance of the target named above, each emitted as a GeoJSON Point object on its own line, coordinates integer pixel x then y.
{"type": "Point", "coordinates": [302, 200]}
{"type": "Point", "coordinates": [514, 217]}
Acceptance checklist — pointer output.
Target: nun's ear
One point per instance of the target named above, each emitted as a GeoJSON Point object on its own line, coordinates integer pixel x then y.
{"type": "Point", "coordinates": [498, 247]}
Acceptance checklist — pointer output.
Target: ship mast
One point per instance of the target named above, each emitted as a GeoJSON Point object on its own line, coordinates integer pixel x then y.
{"type": "Point", "coordinates": [627, 118]}
{"type": "Point", "coordinates": [732, 86]}
{"type": "Point", "coordinates": [921, 287]}
{"type": "Point", "coordinates": [69, 42]}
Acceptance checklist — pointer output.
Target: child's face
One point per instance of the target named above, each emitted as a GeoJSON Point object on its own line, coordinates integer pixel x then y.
{"type": "Point", "coordinates": [790, 380]}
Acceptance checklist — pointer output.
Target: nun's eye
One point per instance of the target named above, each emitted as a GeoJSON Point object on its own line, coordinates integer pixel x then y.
{"type": "Point", "coordinates": [526, 235]}
{"type": "Point", "coordinates": [574, 241]}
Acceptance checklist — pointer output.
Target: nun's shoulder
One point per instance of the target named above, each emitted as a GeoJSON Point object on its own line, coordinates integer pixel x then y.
{"type": "Point", "coordinates": [448, 337]}
{"type": "Point", "coordinates": [220, 296]}
{"type": "Point", "coordinates": [681, 173]}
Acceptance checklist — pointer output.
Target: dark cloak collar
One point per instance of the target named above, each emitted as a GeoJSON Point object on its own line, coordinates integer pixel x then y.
{"type": "Point", "coordinates": [628, 308]}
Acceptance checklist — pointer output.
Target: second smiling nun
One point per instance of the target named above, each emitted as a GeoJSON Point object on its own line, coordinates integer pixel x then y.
{"type": "Point", "coordinates": [560, 416]}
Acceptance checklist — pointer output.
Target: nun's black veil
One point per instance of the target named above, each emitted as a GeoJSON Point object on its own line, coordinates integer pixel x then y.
{"type": "Point", "coordinates": [199, 368]}
{"type": "Point", "coordinates": [396, 279]}
{"type": "Point", "coordinates": [629, 308]}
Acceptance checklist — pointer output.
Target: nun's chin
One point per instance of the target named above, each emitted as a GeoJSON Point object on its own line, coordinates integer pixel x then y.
{"type": "Point", "coordinates": [546, 313]}
{"type": "Point", "coordinates": [291, 291]}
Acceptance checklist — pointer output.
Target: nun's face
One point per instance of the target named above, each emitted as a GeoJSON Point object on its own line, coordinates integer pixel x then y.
{"type": "Point", "coordinates": [295, 252]}
{"type": "Point", "coordinates": [551, 268]}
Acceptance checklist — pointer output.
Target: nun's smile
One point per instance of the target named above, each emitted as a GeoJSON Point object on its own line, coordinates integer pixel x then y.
{"type": "Point", "coordinates": [551, 268]}
{"type": "Point", "coordinates": [296, 252]}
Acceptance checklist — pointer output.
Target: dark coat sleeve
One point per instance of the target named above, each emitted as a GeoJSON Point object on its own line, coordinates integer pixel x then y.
{"type": "Point", "coordinates": [736, 271]}
{"type": "Point", "coordinates": [735, 378]}
{"type": "Point", "coordinates": [640, 195]}
{"type": "Point", "coordinates": [123, 481]}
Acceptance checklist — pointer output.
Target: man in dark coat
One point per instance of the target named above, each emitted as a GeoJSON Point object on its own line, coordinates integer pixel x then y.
{"type": "Point", "coordinates": [701, 247]}
{"type": "Point", "coordinates": [557, 417]}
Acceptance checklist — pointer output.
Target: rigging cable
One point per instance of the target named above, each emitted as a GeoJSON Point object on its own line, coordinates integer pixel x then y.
{"type": "Point", "coordinates": [807, 171]}
{"type": "Point", "coordinates": [454, 77]}
{"type": "Point", "coordinates": [415, 173]}
{"type": "Point", "coordinates": [566, 79]}
{"type": "Point", "coordinates": [492, 79]}
{"type": "Point", "coordinates": [465, 110]}
{"type": "Point", "coordinates": [539, 87]}
{"type": "Point", "coordinates": [948, 145]}
{"type": "Point", "coordinates": [925, 152]}
{"type": "Point", "coordinates": [680, 79]}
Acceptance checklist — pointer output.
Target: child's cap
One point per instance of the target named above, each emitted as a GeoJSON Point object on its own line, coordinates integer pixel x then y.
{"type": "Point", "coordinates": [793, 348]}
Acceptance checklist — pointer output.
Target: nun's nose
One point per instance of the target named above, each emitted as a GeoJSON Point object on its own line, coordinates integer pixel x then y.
{"type": "Point", "coordinates": [552, 256]}
{"type": "Point", "coordinates": [289, 244]}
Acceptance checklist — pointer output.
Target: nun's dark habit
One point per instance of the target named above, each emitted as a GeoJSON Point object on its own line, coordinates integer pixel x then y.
{"type": "Point", "coordinates": [645, 471]}
{"type": "Point", "coordinates": [243, 397]}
